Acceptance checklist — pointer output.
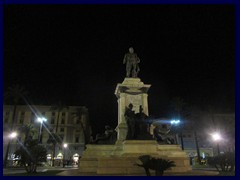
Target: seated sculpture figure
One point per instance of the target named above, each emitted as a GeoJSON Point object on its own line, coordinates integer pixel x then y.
{"type": "Point", "coordinates": [161, 134]}
{"type": "Point", "coordinates": [109, 136]}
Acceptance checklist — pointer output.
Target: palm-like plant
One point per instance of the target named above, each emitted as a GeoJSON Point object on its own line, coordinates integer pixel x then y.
{"type": "Point", "coordinates": [58, 107]}
{"type": "Point", "coordinates": [161, 165]}
{"type": "Point", "coordinates": [14, 94]}
{"type": "Point", "coordinates": [28, 130]}
{"type": "Point", "coordinates": [84, 123]}
{"type": "Point", "coordinates": [157, 164]}
{"type": "Point", "coordinates": [31, 154]}
{"type": "Point", "coordinates": [145, 160]}
{"type": "Point", "coordinates": [178, 106]}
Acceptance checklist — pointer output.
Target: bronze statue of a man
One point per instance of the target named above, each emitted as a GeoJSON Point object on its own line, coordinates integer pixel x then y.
{"type": "Point", "coordinates": [130, 120]}
{"type": "Point", "coordinates": [131, 60]}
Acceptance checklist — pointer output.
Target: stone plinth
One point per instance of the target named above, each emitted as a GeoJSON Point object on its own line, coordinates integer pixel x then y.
{"type": "Point", "coordinates": [122, 158]}
{"type": "Point", "coordinates": [131, 90]}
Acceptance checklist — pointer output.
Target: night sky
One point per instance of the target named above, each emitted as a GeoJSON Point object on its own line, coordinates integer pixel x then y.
{"type": "Point", "coordinates": [74, 53]}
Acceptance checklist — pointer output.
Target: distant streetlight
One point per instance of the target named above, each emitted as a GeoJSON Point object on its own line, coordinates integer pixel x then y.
{"type": "Point", "coordinates": [41, 120]}
{"type": "Point", "coordinates": [217, 137]}
{"type": "Point", "coordinates": [176, 122]}
{"type": "Point", "coordinates": [65, 145]}
{"type": "Point", "coordinates": [10, 136]}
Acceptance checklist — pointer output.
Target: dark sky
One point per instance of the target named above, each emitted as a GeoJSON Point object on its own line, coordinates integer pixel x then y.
{"type": "Point", "coordinates": [74, 53]}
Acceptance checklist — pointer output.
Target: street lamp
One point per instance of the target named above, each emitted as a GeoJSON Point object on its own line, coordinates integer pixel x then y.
{"type": "Point", "coordinates": [65, 145]}
{"type": "Point", "coordinates": [10, 136]}
{"type": "Point", "coordinates": [41, 120]}
{"type": "Point", "coordinates": [216, 137]}
{"type": "Point", "coordinates": [175, 123]}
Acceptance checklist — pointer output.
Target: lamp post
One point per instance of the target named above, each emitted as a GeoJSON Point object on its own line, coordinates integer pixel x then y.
{"type": "Point", "coordinates": [217, 137]}
{"type": "Point", "coordinates": [65, 145]}
{"type": "Point", "coordinates": [41, 120]}
{"type": "Point", "coordinates": [10, 136]}
{"type": "Point", "coordinates": [175, 123]}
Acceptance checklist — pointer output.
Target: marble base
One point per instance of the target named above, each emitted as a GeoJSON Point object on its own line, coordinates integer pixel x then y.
{"type": "Point", "coordinates": [121, 158]}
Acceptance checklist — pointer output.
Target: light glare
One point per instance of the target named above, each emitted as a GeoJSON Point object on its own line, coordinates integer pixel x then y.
{"type": "Point", "coordinates": [13, 135]}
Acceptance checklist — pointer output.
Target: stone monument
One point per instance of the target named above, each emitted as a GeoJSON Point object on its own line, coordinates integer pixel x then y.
{"type": "Point", "coordinates": [120, 158]}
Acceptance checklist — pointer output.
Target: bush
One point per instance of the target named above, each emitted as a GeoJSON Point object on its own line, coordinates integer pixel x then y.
{"type": "Point", "coordinates": [223, 162]}
{"type": "Point", "coordinates": [157, 164]}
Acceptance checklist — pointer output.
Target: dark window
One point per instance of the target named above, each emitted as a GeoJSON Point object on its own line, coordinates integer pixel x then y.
{"type": "Point", "coordinates": [22, 113]}
{"type": "Point", "coordinates": [32, 119]}
{"type": "Point", "coordinates": [6, 120]}
{"type": "Point", "coordinates": [61, 129]}
{"type": "Point", "coordinates": [184, 135]}
{"type": "Point", "coordinates": [62, 137]}
{"type": "Point", "coordinates": [78, 121]}
{"type": "Point", "coordinates": [53, 113]}
{"type": "Point", "coordinates": [76, 148]}
{"type": "Point", "coordinates": [78, 130]}
{"type": "Point", "coordinates": [63, 121]}
{"type": "Point", "coordinates": [21, 121]}
{"type": "Point", "coordinates": [52, 121]}
{"type": "Point", "coordinates": [77, 139]}
{"type": "Point", "coordinates": [63, 114]}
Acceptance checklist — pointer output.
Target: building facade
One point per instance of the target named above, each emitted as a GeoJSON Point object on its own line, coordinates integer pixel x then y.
{"type": "Point", "coordinates": [71, 125]}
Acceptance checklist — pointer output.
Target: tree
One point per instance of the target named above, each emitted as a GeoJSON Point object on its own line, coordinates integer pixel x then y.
{"type": "Point", "coordinates": [193, 123]}
{"type": "Point", "coordinates": [14, 94]}
{"type": "Point", "coordinates": [28, 130]}
{"type": "Point", "coordinates": [31, 154]}
{"type": "Point", "coordinates": [58, 107]}
{"type": "Point", "coordinates": [223, 162]}
{"type": "Point", "coordinates": [179, 112]}
{"type": "Point", "coordinates": [54, 139]}
{"type": "Point", "coordinates": [81, 116]}
{"type": "Point", "coordinates": [158, 164]}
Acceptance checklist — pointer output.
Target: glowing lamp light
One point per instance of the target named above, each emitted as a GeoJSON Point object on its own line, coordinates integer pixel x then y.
{"type": "Point", "coordinates": [65, 145]}
{"type": "Point", "coordinates": [216, 137]}
{"type": "Point", "coordinates": [13, 135]}
{"type": "Point", "coordinates": [41, 119]}
{"type": "Point", "coordinates": [175, 121]}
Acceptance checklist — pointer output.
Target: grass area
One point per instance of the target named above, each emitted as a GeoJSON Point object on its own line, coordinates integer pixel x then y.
{"type": "Point", "coordinates": [200, 166]}
{"type": "Point", "coordinates": [47, 173]}
{"type": "Point", "coordinates": [227, 173]}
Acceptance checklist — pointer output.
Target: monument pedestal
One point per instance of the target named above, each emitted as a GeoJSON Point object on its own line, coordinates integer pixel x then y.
{"type": "Point", "coordinates": [134, 91]}
{"type": "Point", "coordinates": [122, 159]}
